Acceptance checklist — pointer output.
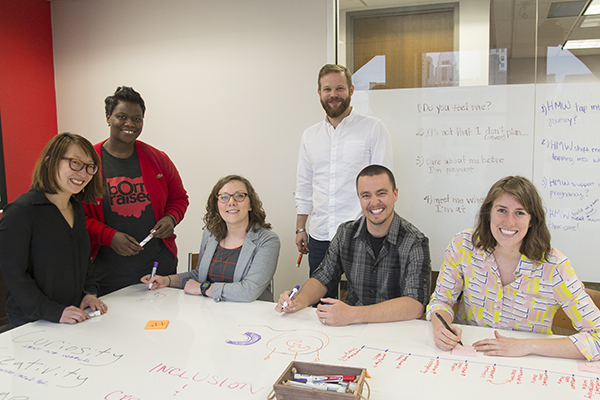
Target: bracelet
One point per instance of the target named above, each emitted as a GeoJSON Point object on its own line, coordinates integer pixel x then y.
{"type": "Point", "coordinates": [300, 230]}
{"type": "Point", "coordinates": [173, 218]}
{"type": "Point", "coordinates": [169, 276]}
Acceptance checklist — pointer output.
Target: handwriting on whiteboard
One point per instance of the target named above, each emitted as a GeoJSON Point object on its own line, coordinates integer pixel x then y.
{"type": "Point", "coordinates": [11, 396]}
{"type": "Point", "coordinates": [195, 377]}
{"type": "Point", "coordinates": [50, 362]}
{"type": "Point", "coordinates": [39, 341]}
{"type": "Point", "coordinates": [486, 372]}
{"type": "Point", "coordinates": [564, 113]}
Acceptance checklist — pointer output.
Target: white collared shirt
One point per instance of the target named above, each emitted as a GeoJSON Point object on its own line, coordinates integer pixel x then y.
{"type": "Point", "coordinates": [328, 163]}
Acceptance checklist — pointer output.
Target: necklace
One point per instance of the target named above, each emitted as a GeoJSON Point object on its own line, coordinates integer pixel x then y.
{"type": "Point", "coordinates": [66, 208]}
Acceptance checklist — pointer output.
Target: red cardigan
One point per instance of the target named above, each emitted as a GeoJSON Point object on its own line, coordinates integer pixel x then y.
{"type": "Point", "coordinates": [164, 186]}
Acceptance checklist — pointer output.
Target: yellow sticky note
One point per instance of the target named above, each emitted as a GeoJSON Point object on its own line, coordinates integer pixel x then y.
{"type": "Point", "coordinates": [157, 324]}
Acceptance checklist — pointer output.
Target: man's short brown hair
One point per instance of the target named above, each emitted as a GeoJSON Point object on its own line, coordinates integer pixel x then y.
{"type": "Point", "coordinates": [335, 68]}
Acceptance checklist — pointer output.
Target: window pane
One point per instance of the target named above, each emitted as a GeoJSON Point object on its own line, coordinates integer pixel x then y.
{"type": "Point", "coordinates": [475, 90]}
{"type": "Point", "coordinates": [397, 44]}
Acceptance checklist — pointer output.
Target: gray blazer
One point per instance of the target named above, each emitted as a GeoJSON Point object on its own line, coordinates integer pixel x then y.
{"type": "Point", "coordinates": [253, 272]}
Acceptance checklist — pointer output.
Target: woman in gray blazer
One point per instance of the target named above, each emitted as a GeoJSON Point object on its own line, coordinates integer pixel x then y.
{"type": "Point", "coordinates": [238, 254]}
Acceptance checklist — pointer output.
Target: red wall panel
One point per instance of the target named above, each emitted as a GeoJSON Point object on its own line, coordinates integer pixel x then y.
{"type": "Point", "coordinates": [27, 94]}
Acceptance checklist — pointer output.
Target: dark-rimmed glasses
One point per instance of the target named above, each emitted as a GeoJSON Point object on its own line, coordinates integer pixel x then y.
{"type": "Point", "coordinates": [239, 197]}
{"type": "Point", "coordinates": [77, 165]}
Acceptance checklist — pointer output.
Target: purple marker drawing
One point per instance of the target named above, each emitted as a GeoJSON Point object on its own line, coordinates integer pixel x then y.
{"type": "Point", "coordinates": [251, 338]}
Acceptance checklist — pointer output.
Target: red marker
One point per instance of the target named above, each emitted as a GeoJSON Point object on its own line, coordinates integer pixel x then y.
{"type": "Point", "coordinates": [300, 258]}
{"type": "Point", "coordinates": [324, 378]}
{"type": "Point", "coordinates": [147, 239]}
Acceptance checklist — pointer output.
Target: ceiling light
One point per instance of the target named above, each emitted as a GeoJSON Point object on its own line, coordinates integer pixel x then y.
{"type": "Point", "coordinates": [591, 22]}
{"type": "Point", "coordinates": [593, 8]}
{"type": "Point", "coordinates": [582, 44]}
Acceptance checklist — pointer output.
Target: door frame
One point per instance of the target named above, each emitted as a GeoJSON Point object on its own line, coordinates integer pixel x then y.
{"type": "Point", "coordinates": [395, 11]}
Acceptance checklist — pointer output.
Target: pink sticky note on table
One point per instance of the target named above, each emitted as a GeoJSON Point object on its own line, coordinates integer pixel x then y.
{"type": "Point", "coordinates": [465, 351]}
{"type": "Point", "coordinates": [589, 366]}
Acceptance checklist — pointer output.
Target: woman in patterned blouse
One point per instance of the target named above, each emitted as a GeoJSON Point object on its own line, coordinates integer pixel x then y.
{"type": "Point", "coordinates": [512, 278]}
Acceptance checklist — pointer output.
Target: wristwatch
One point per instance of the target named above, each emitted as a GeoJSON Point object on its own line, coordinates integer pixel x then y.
{"type": "Point", "coordinates": [300, 230]}
{"type": "Point", "coordinates": [204, 287]}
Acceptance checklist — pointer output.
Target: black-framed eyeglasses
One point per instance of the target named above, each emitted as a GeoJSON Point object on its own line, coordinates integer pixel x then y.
{"type": "Point", "coordinates": [239, 197]}
{"type": "Point", "coordinates": [77, 165]}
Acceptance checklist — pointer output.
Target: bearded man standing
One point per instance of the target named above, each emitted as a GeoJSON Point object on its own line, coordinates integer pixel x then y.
{"type": "Point", "coordinates": [332, 153]}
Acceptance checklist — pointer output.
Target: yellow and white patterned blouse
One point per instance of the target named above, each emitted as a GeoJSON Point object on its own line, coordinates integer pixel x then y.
{"type": "Point", "coordinates": [527, 304]}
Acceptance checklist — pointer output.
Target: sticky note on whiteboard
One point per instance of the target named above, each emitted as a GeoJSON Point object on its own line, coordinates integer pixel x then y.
{"type": "Point", "coordinates": [589, 366]}
{"type": "Point", "coordinates": [466, 351]}
{"type": "Point", "coordinates": [153, 325]}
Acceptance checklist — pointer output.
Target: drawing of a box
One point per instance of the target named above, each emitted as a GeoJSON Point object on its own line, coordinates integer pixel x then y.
{"type": "Point", "coordinates": [285, 392]}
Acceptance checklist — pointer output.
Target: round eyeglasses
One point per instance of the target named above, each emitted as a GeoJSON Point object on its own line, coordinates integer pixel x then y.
{"type": "Point", "coordinates": [239, 197]}
{"type": "Point", "coordinates": [77, 165]}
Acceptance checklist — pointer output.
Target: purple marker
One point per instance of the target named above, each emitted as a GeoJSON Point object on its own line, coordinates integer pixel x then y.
{"type": "Point", "coordinates": [153, 273]}
{"type": "Point", "coordinates": [294, 292]}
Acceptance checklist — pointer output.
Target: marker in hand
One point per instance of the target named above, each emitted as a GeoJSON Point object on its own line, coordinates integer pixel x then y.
{"type": "Point", "coordinates": [447, 327]}
{"type": "Point", "coordinates": [299, 260]}
{"type": "Point", "coordinates": [147, 239]}
{"type": "Point", "coordinates": [153, 273]}
{"type": "Point", "coordinates": [91, 313]}
{"type": "Point", "coordinates": [294, 292]}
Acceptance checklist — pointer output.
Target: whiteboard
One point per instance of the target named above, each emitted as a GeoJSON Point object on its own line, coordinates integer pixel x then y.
{"type": "Point", "coordinates": [238, 350]}
{"type": "Point", "coordinates": [403, 363]}
{"type": "Point", "coordinates": [208, 350]}
{"type": "Point", "coordinates": [450, 146]}
{"type": "Point", "coordinates": [567, 170]}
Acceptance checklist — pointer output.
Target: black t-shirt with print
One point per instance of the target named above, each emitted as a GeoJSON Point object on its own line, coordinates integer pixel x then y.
{"type": "Point", "coordinates": [128, 209]}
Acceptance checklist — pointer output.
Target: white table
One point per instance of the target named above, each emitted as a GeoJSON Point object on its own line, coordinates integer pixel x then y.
{"type": "Point", "coordinates": [238, 350]}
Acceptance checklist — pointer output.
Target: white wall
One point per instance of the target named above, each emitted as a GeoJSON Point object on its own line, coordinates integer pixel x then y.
{"type": "Point", "coordinates": [229, 88]}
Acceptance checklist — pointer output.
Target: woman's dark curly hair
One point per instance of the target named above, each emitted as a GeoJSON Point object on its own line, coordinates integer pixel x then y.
{"type": "Point", "coordinates": [212, 219]}
{"type": "Point", "coordinates": [123, 94]}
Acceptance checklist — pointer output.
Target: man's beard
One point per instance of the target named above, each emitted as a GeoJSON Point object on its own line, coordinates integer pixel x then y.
{"type": "Point", "coordinates": [339, 110]}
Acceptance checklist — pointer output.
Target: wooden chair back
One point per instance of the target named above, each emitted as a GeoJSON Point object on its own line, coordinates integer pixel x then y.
{"type": "Point", "coordinates": [561, 325]}
{"type": "Point", "coordinates": [193, 261]}
{"type": "Point", "coordinates": [434, 277]}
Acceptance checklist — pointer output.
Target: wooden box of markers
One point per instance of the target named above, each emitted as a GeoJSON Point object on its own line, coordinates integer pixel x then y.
{"type": "Point", "coordinates": [285, 392]}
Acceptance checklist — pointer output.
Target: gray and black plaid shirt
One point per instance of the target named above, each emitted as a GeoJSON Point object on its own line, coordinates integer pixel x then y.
{"type": "Point", "coordinates": [402, 268]}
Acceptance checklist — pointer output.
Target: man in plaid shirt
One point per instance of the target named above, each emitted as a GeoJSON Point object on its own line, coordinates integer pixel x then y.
{"type": "Point", "coordinates": [385, 258]}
